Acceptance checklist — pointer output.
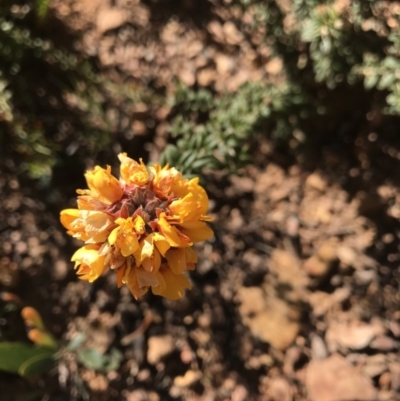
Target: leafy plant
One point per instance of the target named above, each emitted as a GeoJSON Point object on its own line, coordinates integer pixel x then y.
{"type": "Point", "coordinates": [222, 141]}
{"type": "Point", "coordinates": [322, 45]}
{"type": "Point", "coordinates": [25, 359]}
{"type": "Point", "coordinates": [31, 360]}
{"type": "Point", "coordinates": [53, 102]}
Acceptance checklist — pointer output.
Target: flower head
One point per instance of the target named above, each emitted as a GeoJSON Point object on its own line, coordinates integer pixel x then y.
{"type": "Point", "coordinates": [142, 226]}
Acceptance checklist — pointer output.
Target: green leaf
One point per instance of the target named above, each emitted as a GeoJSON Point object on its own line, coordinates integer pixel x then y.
{"type": "Point", "coordinates": [206, 161]}
{"type": "Point", "coordinates": [391, 62]}
{"type": "Point", "coordinates": [114, 360]}
{"type": "Point", "coordinates": [370, 81]}
{"type": "Point", "coordinates": [36, 365]}
{"type": "Point", "coordinates": [76, 342]}
{"type": "Point", "coordinates": [13, 355]}
{"type": "Point", "coordinates": [310, 31]}
{"type": "Point", "coordinates": [386, 81]}
{"type": "Point", "coordinates": [92, 358]}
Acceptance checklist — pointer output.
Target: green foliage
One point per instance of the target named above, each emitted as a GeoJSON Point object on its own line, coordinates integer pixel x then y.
{"type": "Point", "coordinates": [93, 359]}
{"type": "Point", "coordinates": [53, 103]}
{"type": "Point", "coordinates": [25, 359]}
{"type": "Point", "coordinates": [32, 360]}
{"type": "Point", "coordinates": [222, 141]}
{"type": "Point", "coordinates": [322, 45]}
{"type": "Point", "coordinates": [42, 7]}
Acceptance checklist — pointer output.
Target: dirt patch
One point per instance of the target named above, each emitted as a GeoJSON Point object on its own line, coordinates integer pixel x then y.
{"type": "Point", "coordinates": [298, 287]}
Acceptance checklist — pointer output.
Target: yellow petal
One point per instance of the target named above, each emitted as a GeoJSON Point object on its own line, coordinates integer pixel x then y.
{"type": "Point", "coordinates": [139, 225]}
{"type": "Point", "coordinates": [161, 284]}
{"type": "Point", "coordinates": [200, 194]}
{"type": "Point", "coordinates": [104, 185]}
{"type": "Point", "coordinates": [129, 244]}
{"type": "Point", "coordinates": [132, 172]}
{"type": "Point", "coordinates": [175, 285]}
{"type": "Point", "coordinates": [186, 208]}
{"type": "Point", "coordinates": [159, 241]}
{"type": "Point", "coordinates": [120, 275]}
{"type": "Point", "coordinates": [172, 235]}
{"type": "Point", "coordinates": [97, 225]}
{"type": "Point", "coordinates": [145, 278]}
{"type": "Point", "coordinates": [153, 263]}
{"type": "Point", "coordinates": [88, 202]}
{"type": "Point", "coordinates": [191, 258]}
{"type": "Point", "coordinates": [112, 238]}
{"type": "Point", "coordinates": [124, 237]}
{"type": "Point", "coordinates": [147, 248]}
{"type": "Point", "coordinates": [197, 231]}
{"type": "Point", "coordinates": [131, 282]}
{"type": "Point", "coordinates": [91, 264]}
{"type": "Point", "coordinates": [68, 216]}
{"type": "Point", "coordinates": [133, 285]}
{"type": "Point", "coordinates": [168, 181]}
{"type": "Point", "coordinates": [177, 260]}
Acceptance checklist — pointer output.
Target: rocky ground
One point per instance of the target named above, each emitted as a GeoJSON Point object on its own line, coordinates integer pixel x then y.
{"type": "Point", "coordinates": [297, 296]}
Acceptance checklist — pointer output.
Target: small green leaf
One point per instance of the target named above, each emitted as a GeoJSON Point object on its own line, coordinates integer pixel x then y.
{"type": "Point", "coordinates": [386, 81]}
{"type": "Point", "coordinates": [371, 81]}
{"type": "Point", "coordinates": [76, 342]}
{"type": "Point", "coordinates": [114, 360]}
{"type": "Point", "coordinates": [36, 365]}
{"type": "Point", "coordinates": [92, 358]}
{"type": "Point", "coordinates": [14, 354]}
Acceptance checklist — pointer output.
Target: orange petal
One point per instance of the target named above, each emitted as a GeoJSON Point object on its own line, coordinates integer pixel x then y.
{"type": "Point", "coordinates": [172, 235]}
{"type": "Point", "coordinates": [68, 216]}
{"type": "Point", "coordinates": [177, 260]}
{"type": "Point", "coordinates": [42, 338]}
{"type": "Point", "coordinates": [132, 283]}
{"type": "Point", "coordinates": [92, 264]}
{"type": "Point", "coordinates": [104, 185]}
{"type": "Point", "coordinates": [32, 318]}
{"type": "Point", "coordinates": [186, 208]}
{"type": "Point", "coordinates": [132, 172]}
{"type": "Point", "coordinates": [128, 245]}
{"type": "Point", "coordinates": [120, 275]}
{"type": "Point", "coordinates": [197, 231]}
{"type": "Point", "coordinates": [175, 285]}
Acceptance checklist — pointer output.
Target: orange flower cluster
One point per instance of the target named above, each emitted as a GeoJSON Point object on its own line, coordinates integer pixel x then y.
{"type": "Point", "coordinates": [142, 226]}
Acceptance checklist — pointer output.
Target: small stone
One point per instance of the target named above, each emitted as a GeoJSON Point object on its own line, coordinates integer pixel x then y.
{"type": "Point", "coordinates": [189, 378]}
{"type": "Point", "coordinates": [385, 380]}
{"type": "Point", "coordinates": [158, 348]}
{"type": "Point", "coordinates": [143, 375]}
{"type": "Point", "coordinates": [110, 18]}
{"type": "Point", "coordinates": [384, 343]}
{"type": "Point", "coordinates": [240, 393]}
{"type": "Point", "coordinates": [279, 390]}
{"type": "Point", "coordinates": [394, 368]}
{"type": "Point", "coordinates": [274, 67]}
{"type": "Point", "coordinates": [335, 379]}
{"type": "Point", "coordinates": [394, 327]}
{"type": "Point", "coordinates": [385, 395]}
{"type": "Point", "coordinates": [318, 347]}
{"type": "Point", "coordinates": [356, 335]}
{"type": "Point", "coordinates": [364, 277]}
{"type": "Point", "coordinates": [316, 181]}
{"type": "Point", "coordinates": [232, 35]}
{"type": "Point", "coordinates": [375, 365]}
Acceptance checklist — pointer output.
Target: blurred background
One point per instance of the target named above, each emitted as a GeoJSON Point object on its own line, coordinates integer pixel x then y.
{"type": "Point", "coordinates": [289, 113]}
